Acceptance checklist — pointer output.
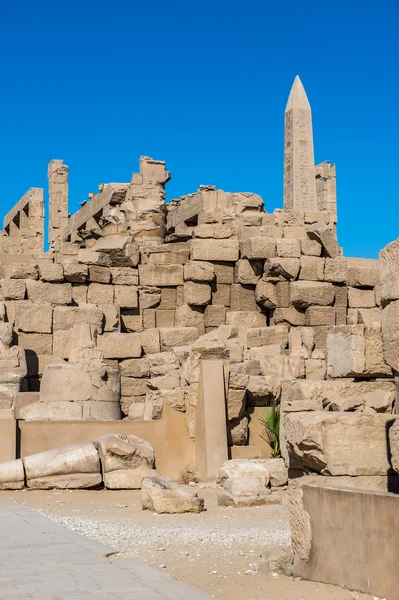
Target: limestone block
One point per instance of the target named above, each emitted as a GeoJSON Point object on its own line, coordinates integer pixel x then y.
{"type": "Point", "coordinates": [224, 273]}
{"type": "Point", "coordinates": [99, 274]}
{"type": "Point", "coordinates": [53, 293]}
{"type": "Point", "coordinates": [120, 345]}
{"type": "Point", "coordinates": [267, 336]}
{"type": "Point", "coordinates": [65, 382]}
{"type": "Point", "coordinates": [65, 317]}
{"type": "Point", "coordinates": [336, 270]}
{"type": "Point", "coordinates": [308, 293]}
{"type": "Point", "coordinates": [135, 367]}
{"type": "Point", "coordinates": [121, 251]}
{"type": "Point", "coordinates": [341, 295]}
{"type": "Point", "coordinates": [320, 315]}
{"type": "Point", "coordinates": [394, 444]}
{"type": "Point", "coordinates": [390, 333]}
{"type": "Point", "coordinates": [134, 386]}
{"type": "Point", "coordinates": [375, 364]}
{"type": "Point", "coordinates": [179, 257]}
{"type": "Point", "coordinates": [326, 237]}
{"type": "Point", "coordinates": [226, 498]}
{"type": "Point", "coordinates": [62, 343]}
{"type": "Point", "coordinates": [316, 369]}
{"type": "Point", "coordinates": [237, 432]}
{"type": "Point", "coordinates": [13, 289]}
{"type": "Point", "coordinates": [359, 298]}
{"type": "Point", "coordinates": [297, 232]}
{"type": "Point", "coordinates": [261, 390]}
{"type": "Point", "coordinates": [197, 294]}
{"type": "Point", "coordinates": [135, 410]}
{"type": "Point", "coordinates": [288, 247]}
{"type": "Point", "coordinates": [242, 297]}
{"type": "Point", "coordinates": [21, 271]}
{"type": "Point", "coordinates": [112, 318]}
{"type": "Point", "coordinates": [246, 319]}
{"type": "Point", "coordinates": [171, 337]}
{"type": "Point", "coordinates": [100, 293]}
{"type": "Point", "coordinates": [290, 315]}
{"type": "Point", "coordinates": [175, 397]}
{"type": "Point", "coordinates": [124, 276]}
{"type": "Point", "coordinates": [40, 343]}
{"type": "Point", "coordinates": [218, 250]}
{"type": "Point", "coordinates": [235, 403]}
{"type": "Point", "coordinates": [54, 411]}
{"type": "Point", "coordinates": [248, 271]}
{"type": "Point", "coordinates": [368, 316]}
{"type": "Point", "coordinates": [283, 294]}
{"type": "Point", "coordinates": [258, 247]}
{"type": "Point", "coordinates": [162, 495]}
{"type": "Point", "coordinates": [278, 474]}
{"type": "Point", "coordinates": [12, 475]}
{"type": "Point", "coordinates": [334, 443]}
{"type": "Point", "coordinates": [126, 296]}
{"type": "Point", "coordinates": [363, 275]}
{"type": "Point", "coordinates": [389, 271]}
{"type": "Point", "coordinates": [161, 275]}
{"type": "Point", "coordinates": [149, 318]}
{"type": "Point", "coordinates": [214, 316]}
{"type": "Point", "coordinates": [189, 316]}
{"type": "Point", "coordinates": [266, 294]}
{"type": "Point", "coordinates": [125, 460]}
{"type": "Point", "coordinates": [283, 268]}
{"type": "Point", "coordinates": [149, 297]}
{"type": "Point", "coordinates": [75, 272]}
{"type": "Point", "coordinates": [221, 294]}
{"type": "Point", "coordinates": [79, 294]}
{"type": "Point", "coordinates": [312, 268]}
{"type": "Point", "coordinates": [199, 271]}
{"type": "Point", "coordinates": [68, 467]}
{"type": "Point", "coordinates": [165, 318]}
{"type": "Point", "coordinates": [310, 247]}
{"type": "Point", "coordinates": [345, 351]}
{"type": "Point", "coordinates": [51, 272]}
{"type": "Point", "coordinates": [169, 381]}
{"type": "Point", "coordinates": [95, 410]}
{"type": "Point", "coordinates": [168, 300]}
{"type": "Point", "coordinates": [150, 341]}
{"type": "Point", "coordinates": [32, 317]}
{"type": "Point", "coordinates": [244, 483]}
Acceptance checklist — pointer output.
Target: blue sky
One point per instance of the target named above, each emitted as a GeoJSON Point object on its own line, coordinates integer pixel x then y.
{"type": "Point", "coordinates": [204, 86]}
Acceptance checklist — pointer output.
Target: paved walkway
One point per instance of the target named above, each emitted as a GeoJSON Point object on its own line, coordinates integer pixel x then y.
{"type": "Point", "coordinates": [42, 560]}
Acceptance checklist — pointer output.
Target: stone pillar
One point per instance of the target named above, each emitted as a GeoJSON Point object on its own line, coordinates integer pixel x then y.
{"type": "Point", "coordinates": [36, 221]}
{"type": "Point", "coordinates": [299, 172]}
{"type": "Point", "coordinates": [144, 207]}
{"type": "Point", "coordinates": [58, 203]}
{"type": "Point", "coordinates": [210, 428]}
{"type": "Point", "coordinates": [24, 229]}
{"type": "Point", "coordinates": [15, 237]}
{"type": "Point", "coordinates": [326, 190]}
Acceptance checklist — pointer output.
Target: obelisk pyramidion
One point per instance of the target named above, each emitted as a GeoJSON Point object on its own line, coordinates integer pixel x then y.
{"type": "Point", "coordinates": [299, 172]}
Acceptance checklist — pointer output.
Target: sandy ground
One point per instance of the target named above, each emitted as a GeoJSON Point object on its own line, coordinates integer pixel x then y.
{"type": "Point", "coordinates": [217, 551]}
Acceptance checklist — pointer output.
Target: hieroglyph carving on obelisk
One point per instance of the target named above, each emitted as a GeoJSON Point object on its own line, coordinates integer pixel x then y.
{"type": "Point", "coordinates": [299, 172]}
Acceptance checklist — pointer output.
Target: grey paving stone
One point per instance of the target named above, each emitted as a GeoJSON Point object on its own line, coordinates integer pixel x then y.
{"type": "Point", "coordinates": [42, 560]}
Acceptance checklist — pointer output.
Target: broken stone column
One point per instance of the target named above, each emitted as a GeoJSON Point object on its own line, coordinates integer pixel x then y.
{"type": "Point", "coordinates": [299, 172]}
{"type": "Point", "coordinates": [326, 188]}
{"type": "Point", "coordinates": [58, 203]}
{"type": "Point", "coordinates": [144, 207]}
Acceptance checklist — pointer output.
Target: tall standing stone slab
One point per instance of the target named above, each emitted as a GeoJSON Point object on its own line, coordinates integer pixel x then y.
{"type": "Point", "coordinates": [58, 203]}
{"type": "Point", "coordinates": [299, 170]}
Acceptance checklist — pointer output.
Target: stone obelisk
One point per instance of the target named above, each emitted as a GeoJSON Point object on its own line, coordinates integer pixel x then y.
{"type": "Point", "coordinates": [299, 171]}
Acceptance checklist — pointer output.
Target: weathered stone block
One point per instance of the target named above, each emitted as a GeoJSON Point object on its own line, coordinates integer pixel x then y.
{"type": "Point", "coordinates": [389, 271]}
{"type": "Point", "coordinates": [345, 351]}
{"type": "Point", "coordinates": [32, 317]}
{"type": "Point", "coordinates": [162, 495]}
{"type": "Point", "coordinates": [310, 247]}
{"type": "Point", "coordinates": [363, 275]}
{"type": "Point", "coordinates": [214, 316]}
{"type": "Point", "coordinates": [245, 319]}
{"type": "Point", "coordinates": [266, 294]}
{"type": "Point", "coordinates": [21, 271]}
{"type": "Point", "coordinates": [288, 248]}
{"type": "Point", "coordinates": [51, 272]}
{"type": "Point", "coordinates": [120, 345]}
{"type": "Point", "coordinates": [13, 289]}
{"type": "Point", "coordinates": [248, 272]}
{"type": "Point", "coordinates": [290, 315]}
{"type": "Point", "coordinates": [126, 296]}
{"type": "Point", "coordinates": [197, 294]}
{"type": "Point", "coordinates": [150, 341]}
{"type": "Point", "coordinates": [335, 443]}
{"type": "Point", "coordinates": [124, 276]}
{"type": "Point", "coordinates": [308, 293]}
{"type": "Point", "coordinates": [171, 337]}
{"type": "Point", "coordinates": [99, 274]}
{"type": "Point", "coordinates": [326, 237]}
{"type": "Point", "coordinates": [283, 268]}
{"type": "Point", "coordinates": [40, 343]}
{"type": "Point", "coordinates": [312, 268]}
{"type": "Point", "coordinates": [12, 475]}
{"type": "Point", "coordinates": [358, 298]}
{"type": "Point", "coordinates": [53, 293]}
{"type": "Point", "coordinates": [258, 248]}
{"type": "Point", "coordinates": [75, 272]}
{"type": "Point", "coordinates": [64, 317]}
{"type": "Point", "coordinates": [161, 275]}
{"type": "Point", "coordinates": [224, 273]}
{"type": "Point", "coordinates": [320, 315]}
{"type": "Point", "coordinates": [164, 318]}
{"type": "Point", "coordinates": [221, 294]}
{"type": "Point", "coordinates": [336, 270]}
{"type": "Point", "coordinates": [218, 250]}
{"type": "Point", "coordinates": [199, 271]}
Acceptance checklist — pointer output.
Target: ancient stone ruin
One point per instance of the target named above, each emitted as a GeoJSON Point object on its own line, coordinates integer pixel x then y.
{"type": "Point", "coordinates": [181, 322]}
